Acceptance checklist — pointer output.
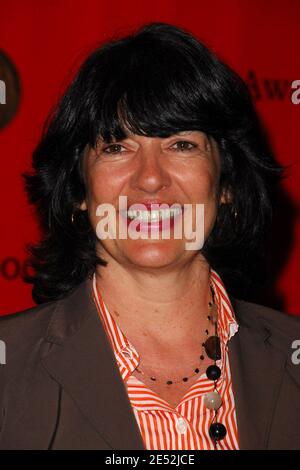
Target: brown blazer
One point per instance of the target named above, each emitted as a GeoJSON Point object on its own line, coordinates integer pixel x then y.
{"type": "Point", "coordinates": [61, 389]}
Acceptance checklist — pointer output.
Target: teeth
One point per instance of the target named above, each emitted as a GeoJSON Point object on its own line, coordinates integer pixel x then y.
{"type": "Point", "coordinates": [154, 216]}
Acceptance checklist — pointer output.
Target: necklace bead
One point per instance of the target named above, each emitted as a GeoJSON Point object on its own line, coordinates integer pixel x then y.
{"type": "Point", "coordinates": [214, 313]}
{"type": "Point", "coordinates": [212, 400]}
{"type": "Point", "coordinates": [212, 348]}
{"type": "Point", "coordinates": [213, 372]}
{"type": "Point", "coordinates": [217, 431]}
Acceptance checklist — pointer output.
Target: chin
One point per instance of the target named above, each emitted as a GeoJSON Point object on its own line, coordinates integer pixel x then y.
{"type": "Point", "coordinates": [155, 255]}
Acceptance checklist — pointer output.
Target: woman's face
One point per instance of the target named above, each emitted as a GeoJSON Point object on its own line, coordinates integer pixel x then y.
{"type": "Point", "coordinates": [183, 169]}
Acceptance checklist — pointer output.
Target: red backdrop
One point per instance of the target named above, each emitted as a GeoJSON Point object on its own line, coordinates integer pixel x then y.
{"type": "Point", "coordinates": [47, 40]}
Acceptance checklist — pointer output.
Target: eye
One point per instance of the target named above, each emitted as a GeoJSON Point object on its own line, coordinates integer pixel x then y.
{"type": "Point", "coordinates": [183, 145]}
{"type": "Point", "coordinates": [112, 148]}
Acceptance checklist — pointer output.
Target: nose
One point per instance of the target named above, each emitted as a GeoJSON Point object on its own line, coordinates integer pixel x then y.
{"type": "Point", "coordinates": [151, 174]}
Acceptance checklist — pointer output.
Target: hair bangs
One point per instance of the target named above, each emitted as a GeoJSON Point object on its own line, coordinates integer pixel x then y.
{"type": "Point", "coordinates": [149, 98]}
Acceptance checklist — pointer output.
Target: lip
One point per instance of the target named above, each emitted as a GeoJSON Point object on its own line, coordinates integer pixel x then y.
{"type": "Point", "coordinates": [149, 205]}
{"type": "Point", "coordinates": [154, 227]}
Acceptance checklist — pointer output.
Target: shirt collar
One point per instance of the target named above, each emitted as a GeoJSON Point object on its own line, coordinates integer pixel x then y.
{"type": "Point", "coordinates": [227, 323]}
{"type": "Point", "coordinates": [125, 353]}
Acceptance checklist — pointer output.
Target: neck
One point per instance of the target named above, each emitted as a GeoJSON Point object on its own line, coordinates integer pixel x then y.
{"type": "Point", "coordinates": [157, 303]}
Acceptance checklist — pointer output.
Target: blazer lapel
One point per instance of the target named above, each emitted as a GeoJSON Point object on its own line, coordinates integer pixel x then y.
{"type": "Point", "coordinates": [257, 370]}
{"type": "Point", "coordinates": [80, 358]}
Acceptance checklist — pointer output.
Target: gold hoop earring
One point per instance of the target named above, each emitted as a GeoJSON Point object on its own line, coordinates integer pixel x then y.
{"type": "Point", "coordinates": [234, 212]}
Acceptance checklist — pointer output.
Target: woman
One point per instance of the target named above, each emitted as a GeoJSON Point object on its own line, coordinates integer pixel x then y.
{"type": "Point", "coordinates": [140, 343]}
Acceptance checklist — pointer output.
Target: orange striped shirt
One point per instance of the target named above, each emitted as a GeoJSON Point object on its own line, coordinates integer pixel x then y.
{"type": "Point", "coordinates": [185, 427]}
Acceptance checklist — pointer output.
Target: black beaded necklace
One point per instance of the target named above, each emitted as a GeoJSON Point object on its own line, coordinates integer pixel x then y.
{"type": "Point", "coordinates": [195, 371]}
{"type": "Point", "coordinates": [212, 400]}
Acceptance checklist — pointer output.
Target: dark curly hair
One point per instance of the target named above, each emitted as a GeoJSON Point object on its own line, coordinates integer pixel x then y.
{"type": "Point", "coordinates": [160, 80]}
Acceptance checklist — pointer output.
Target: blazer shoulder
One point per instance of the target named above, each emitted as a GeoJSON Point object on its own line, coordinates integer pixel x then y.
{"type": "Point", "coordinates": [26, 325]}
{"type": "Point", "coordinates": [23, 338]}
{"type": "Point", "coordinates": [251, 315]}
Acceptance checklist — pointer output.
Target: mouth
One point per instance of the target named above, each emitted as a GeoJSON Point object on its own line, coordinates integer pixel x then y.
{"type": "Point", "coordinates": [155, 220]}
{"type": "Point", "coordinates": [152, 216]}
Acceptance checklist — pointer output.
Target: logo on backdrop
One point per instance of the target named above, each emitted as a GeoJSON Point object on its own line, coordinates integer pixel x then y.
{"type": "Point", "coordinates": [12, 268]}
{"type": "Point", "coordinates": [273, 89]}
{"type": "Point", "coordinates": [10, 90]}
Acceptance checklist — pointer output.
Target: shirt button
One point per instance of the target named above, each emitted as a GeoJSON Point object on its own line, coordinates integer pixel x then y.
{"type": "Point", "coordinates": [181, 426]}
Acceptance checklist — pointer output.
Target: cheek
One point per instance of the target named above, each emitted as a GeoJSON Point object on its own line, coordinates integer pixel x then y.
{"type": "Point", "coordinates": [202, 189]}
{"type": "Point", "coordinates": [202, 186]}
{"type": "Point", "coordinates": [102, 188]}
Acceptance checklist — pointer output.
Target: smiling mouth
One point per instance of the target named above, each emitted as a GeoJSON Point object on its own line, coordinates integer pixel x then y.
{"type": "Point", "coordinates": [153, 216]}
{"type": "Point", "coordinates": [155, 219]}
